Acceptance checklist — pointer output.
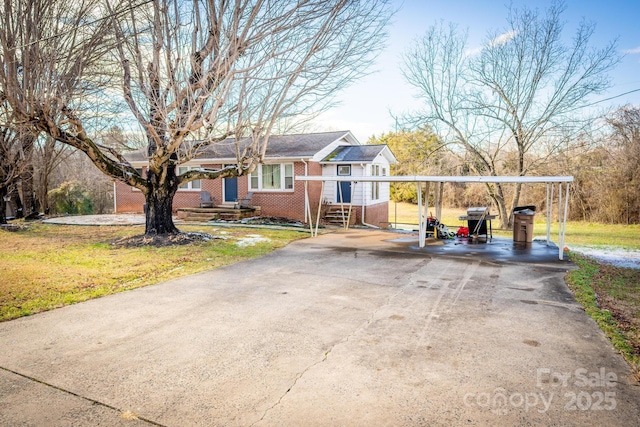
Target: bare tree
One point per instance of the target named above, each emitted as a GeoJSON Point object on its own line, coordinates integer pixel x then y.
{"type": "Point", "coordinates": [215, 68]}
{"type": "Point", "coordinates": [45, 48]}
{"type": "Point", "coordinates": [11, 163]}
{"type": "Point", "coordinates": [16, 147]}
{"type": "Point", "coordinates": [625, 161]}
{"type": "Point", "coordinates": [47, 157]}
{"type": "Point", "coordinates": [521, 93]}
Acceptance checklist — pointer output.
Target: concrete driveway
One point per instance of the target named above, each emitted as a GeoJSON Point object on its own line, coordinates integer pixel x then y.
{"type": "Point", "coordinates": [356, 328]}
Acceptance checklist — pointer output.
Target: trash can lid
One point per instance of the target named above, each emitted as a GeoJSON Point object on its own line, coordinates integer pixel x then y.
{"type": "Point", "coordinates": [526, 210]}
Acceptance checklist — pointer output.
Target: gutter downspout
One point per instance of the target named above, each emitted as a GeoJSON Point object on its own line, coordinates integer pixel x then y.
{"type": "Point", "coordinates": [364, 170]}
{"type": "Point", "coordinates": [307, 212]}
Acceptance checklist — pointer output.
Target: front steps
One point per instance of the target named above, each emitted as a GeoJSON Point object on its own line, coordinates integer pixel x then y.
{"type": "Point", "coordinates": [336, 215]}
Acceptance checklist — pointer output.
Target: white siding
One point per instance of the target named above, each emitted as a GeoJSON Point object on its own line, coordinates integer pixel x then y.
{"type": "Point", "coordinates": [383, 187]}
{"type": "Point", "coordinates": [331, 188]}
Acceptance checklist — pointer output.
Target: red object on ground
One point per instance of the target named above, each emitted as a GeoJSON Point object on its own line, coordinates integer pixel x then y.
{"type": "Point", "coordinates": [463, 232]}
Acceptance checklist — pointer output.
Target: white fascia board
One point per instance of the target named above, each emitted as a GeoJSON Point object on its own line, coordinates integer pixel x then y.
{"type": "Point", "coordinates": [389, 155]}
{"type": "Point", "coordinates": [420, 178]}
{"type": "Point", "coordinates": [329, 148]}
{"type": "Point", "coordinates": [351, 138]}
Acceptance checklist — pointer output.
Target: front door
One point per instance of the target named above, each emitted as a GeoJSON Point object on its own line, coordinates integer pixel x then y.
{"type": "Point", "coordinates": [230, 189]}
{"type": "Point", "coordinates": [344, 187]}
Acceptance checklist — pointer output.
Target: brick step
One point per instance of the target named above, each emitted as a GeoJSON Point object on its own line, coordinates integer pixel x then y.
{"type": "Point", "coordinates": [230, 217]}
{"type": "Point", "coordinates": [200, 217]}
{"type": "Point", "coordinates": [218, 212]}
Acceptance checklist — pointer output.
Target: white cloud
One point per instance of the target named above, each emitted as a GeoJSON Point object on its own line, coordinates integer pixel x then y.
{"type": "Point", "coordinates": [503, 38]}
{"type": "Point", "coordinates": [633, 51]}
{"type": "Point", "coordinates": [496, 41]}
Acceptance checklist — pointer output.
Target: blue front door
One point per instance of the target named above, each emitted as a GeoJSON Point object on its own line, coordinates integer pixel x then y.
{"type": "Point", "coordinates": [344, 187]}
{"type": "Point", "coordinates": [346, 191]}
{"type": "Point", "coordinates": [230, 189]}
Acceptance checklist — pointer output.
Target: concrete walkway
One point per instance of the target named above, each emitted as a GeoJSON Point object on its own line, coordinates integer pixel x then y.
{"type": "Point", "coordinates": [105, 219]}
{"type": "Point", "coordinates": [357, 328]}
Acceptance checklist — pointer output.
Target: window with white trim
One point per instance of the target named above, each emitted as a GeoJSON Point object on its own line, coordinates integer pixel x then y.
{"type": "Point", "coordinates": [375, 186]}
{"type": "Point", "coordinates": [191, 185]}
{"type": "Point", "coordinates": [272, 177]}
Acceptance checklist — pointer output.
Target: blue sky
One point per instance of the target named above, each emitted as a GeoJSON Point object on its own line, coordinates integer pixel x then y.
{"type": "Point", "coordinates": [366, 106]}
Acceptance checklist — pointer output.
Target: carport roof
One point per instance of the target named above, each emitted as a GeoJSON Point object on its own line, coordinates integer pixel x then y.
{"type": "Point", "coordinates": [425, 178]}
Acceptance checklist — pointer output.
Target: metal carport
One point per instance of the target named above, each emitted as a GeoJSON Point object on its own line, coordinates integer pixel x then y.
{"type": "Point", "coordinates": [549, 181]}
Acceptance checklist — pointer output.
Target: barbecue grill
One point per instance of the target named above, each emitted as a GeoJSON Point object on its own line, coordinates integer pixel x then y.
{"type": "Point", "coordinates": [478, 218]}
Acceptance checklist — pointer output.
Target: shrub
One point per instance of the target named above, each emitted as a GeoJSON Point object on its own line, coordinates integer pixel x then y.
{"type": "Point", "coordinates": [70, 198]}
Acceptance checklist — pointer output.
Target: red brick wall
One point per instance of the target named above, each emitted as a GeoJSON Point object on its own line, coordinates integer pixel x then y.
{"type": "Point", "coordinates": [374, 215]}
{"type": "Point", "coordinates": [273, 203]}
{"type": "Point", "coordinates": [286, 204]}
{"type": "Point", "coordinates": [128, 199]}
{"type": "Point", "coordinates": [314, 187]}
{"type": "Point", "coordinates": [377, 214]}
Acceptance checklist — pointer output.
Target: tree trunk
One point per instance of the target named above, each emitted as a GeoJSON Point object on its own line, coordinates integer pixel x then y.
{"type": "Point", "coordinates": [29, 208]}
{"type": "Point", "coordinates": [159, 198]}
{"type": "Point", "coordinates": [3, 205]}
{"type": "Point", "coordinates": [514, 202]}
{"type": "Point", "coordinates": [497, 195]}
{"type": "Point", "coordinates": [43, 192]}
{"type": "Point", "coordinates": [17, 203]}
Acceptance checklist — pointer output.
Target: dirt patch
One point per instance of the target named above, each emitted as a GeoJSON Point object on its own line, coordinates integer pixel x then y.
{"type": "Point", "coordinates": [163, 240]}
{"type": "Point", "coordinates": [12, 227]}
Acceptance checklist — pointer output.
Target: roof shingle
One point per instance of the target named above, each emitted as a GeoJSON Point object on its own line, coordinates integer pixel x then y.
{"type": "Point", "coordinates": [298, 145]}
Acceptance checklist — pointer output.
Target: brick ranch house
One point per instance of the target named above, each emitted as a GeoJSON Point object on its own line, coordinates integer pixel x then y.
{"type": "Point", "coordinates": [273, 186]}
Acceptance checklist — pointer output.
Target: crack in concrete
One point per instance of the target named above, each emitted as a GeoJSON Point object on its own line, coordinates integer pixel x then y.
{"type": "Point", "coordinates": [343, 340]}
{"type": "Point", "coordinates": [88, 399]}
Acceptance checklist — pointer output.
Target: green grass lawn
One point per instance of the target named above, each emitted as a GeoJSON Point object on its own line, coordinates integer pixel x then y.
{"type": "Point", "coordinates": [611, 296]}
{"type": "Point", "coordinates": [48, 266]}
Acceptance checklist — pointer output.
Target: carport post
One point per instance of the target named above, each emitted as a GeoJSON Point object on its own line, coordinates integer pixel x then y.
{"type": "Point", "coordinates": [319, 209]}
{"type": "Point", "coordinates": [307, 217]}
{"type": "Point", "coordinates": [439, 189]}
{"type": "Point", "coordinates": [563, 223]}
{"type": "Point", "coordinates": [549, 209]}
{"type": "Point", "coordinates": [353, 192]}
{"type": "Point", "coordinates": [421, 227]}
{"type": "Point", "coordinates": [560, 219]}
{"type": "Point", "coordinates": [427, 190]}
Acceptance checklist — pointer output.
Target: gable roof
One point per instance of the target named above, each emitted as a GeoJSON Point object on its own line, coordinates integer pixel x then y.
{"type": "Point", "coordinates": [354, 153]}
{"type": "Point", "coordinates": [287, 146]}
